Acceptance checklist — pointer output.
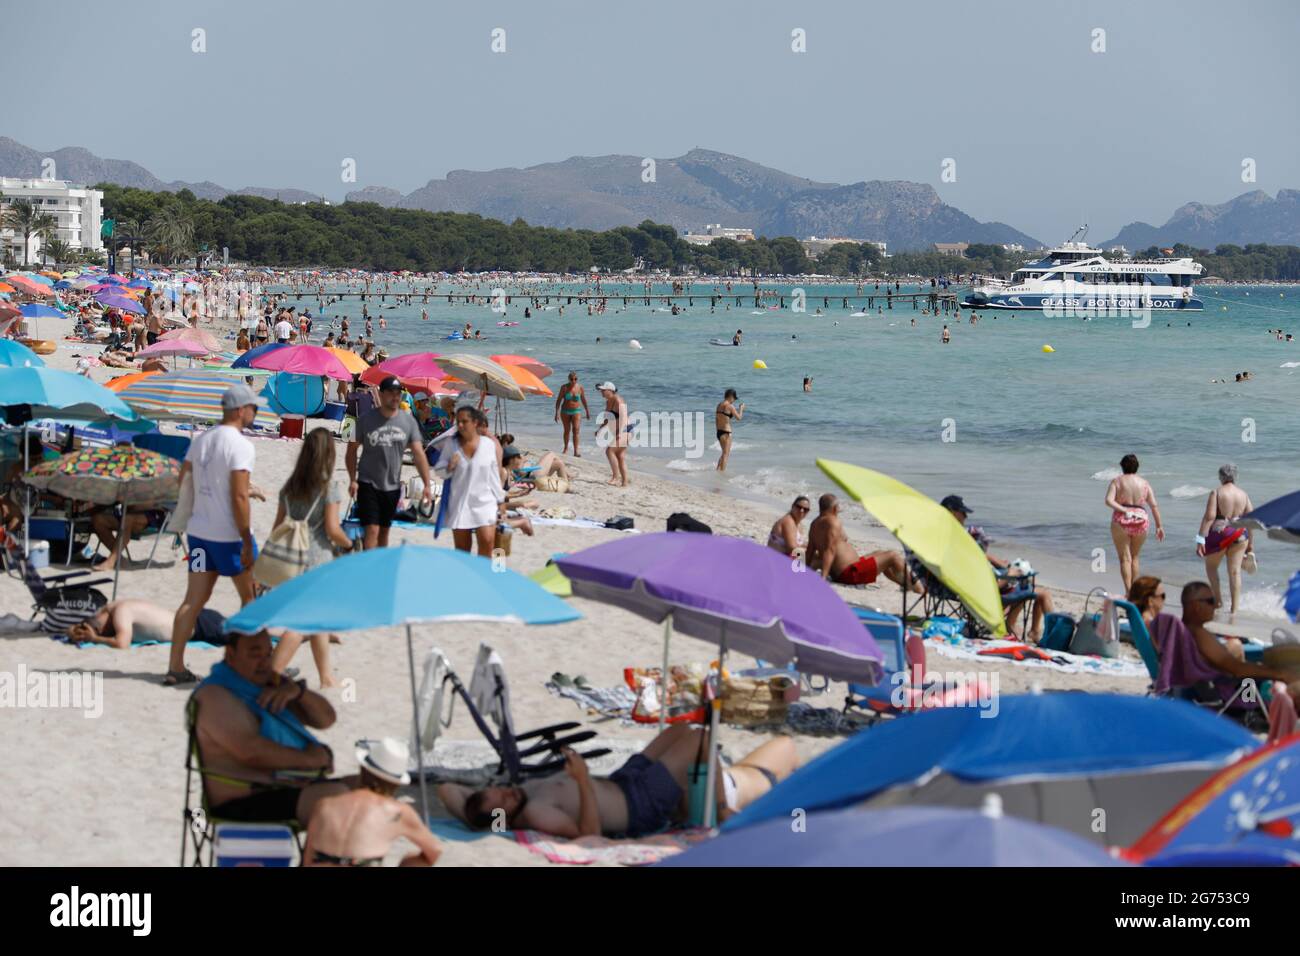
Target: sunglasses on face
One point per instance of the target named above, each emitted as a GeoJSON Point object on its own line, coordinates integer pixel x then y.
{"type": "Point", "coordinates": [1207, 600]}
{"type": "Point", "coordinates": [800, 507]}
{"type": "Point", "coordinates": [1159, 594]}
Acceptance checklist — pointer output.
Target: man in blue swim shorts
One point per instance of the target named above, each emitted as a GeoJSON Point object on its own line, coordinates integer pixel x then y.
{"type": "Point", "coordinates": [220, 531]}
{"type": "Point", "coordinates": [644, 796]}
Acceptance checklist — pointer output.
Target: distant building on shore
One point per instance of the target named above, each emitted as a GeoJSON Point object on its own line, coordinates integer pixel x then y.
{"type": "Point", "coordinates": [719, 231]}
{"type": "Point", "coordinates": [76, 209]}
{"type": "Point", "coordinates": [814, 246]}
{"type": "Point", "coordinates": [952, 248]}
{"type": "Point", "coordinates": [1012, 247]}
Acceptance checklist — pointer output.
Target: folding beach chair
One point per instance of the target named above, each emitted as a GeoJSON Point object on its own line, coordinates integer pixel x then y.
{"type": "Point", "coordinates": [940, 601]}
{"type": "Point", "coordinates": [199, 824]}
{"type": "Point", "coordinates": [903, 689]}
{"type": "Point", "coordinates": [61, 600]}
{"type": "Point", "coordinates": [488, 699]}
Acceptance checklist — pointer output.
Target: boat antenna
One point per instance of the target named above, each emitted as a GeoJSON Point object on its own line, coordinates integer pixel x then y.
{"type": "Point", "coordinates": [1079, 233]}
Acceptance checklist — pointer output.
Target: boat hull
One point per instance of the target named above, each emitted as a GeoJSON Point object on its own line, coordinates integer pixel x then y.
{"type": "Point", "coordinates": [1072, 304]}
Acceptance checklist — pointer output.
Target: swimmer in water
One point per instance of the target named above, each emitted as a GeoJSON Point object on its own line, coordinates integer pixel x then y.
{"type": "Point", "coordinates": [735, 339]}
{"type": "Point", "coordinates": [807, 383]}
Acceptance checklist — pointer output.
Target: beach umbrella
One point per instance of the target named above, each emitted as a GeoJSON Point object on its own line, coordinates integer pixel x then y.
{"type": "Point", "coordinates": [173, 348]}
{"type": "Point", "coordinates": [244, 360]}
{"type": "Point", "coordinates": [1251, 807]}
{"type": "Point", "coordinates": [6, 288]}
{"type": "Point", "coordinates": [395, 582]}
{"type": "Point", "coordinates": [734, 593]}
{"type": "Point", "coordinates": [303, 360]}
{"type": "Point", "coordinates": [353, 362]}
{"type": "Point", "coordinates": [16, 355]}
{"type": "Point", "coordinates": [119, 302]}
{"type": "Point", "coordinates": [117, 475]}
{"type": "Point", "coordinates": [553, 580]}
{"type": "Point", "coordinates": [122, 381]}
{"type": "Point", "coordinates": [27, 285]}
{"type": "Point", "coordinates": [417, 365]}
{"type": "Point", "coordinates": [37, 278]}
{"type": "Point", "coordinates": [900, 836]}
{"type": "Point", "coordinates": [34, 310]}
{"type": "Point", "coordinates": [1292, 599]}
{"type": "Point", "coordinates": [538, 368]}
{"type": "Point", "coordinates": [186, 394]}
{"type": "Point", "coordinates": [1279, 518]}
{"type": "Point", "coordinates": [483, 374]}
{"type": "Point", "coordinates": [526, 380]}
{"type": "Point", "coordinates": [1052, 758]}
{"type": "Point", "coordinates": [931, 533]}
{"type": "Point", "coordinates": [54, 393]}
{"type": "Point", "coordinates": [198, 337]}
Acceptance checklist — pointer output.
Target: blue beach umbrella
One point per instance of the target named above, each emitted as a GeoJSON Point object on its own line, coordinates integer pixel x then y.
{"type": "Point", "coordinates": [900, 836]}
{"type": "Point", "coordinates": [1052, 758]}
{"type": "Point", "coordinates": [388, 587]}
{"type": "Point", "coordinates": [243, 360]}
{"type": "Point", "coordinates": [16, 355]}
{"type": "Point", "coordinates": [1292, 600]}
{"type": "Point", "coordinates": [35, 310]}
{"type": "Point", "coordinates": [56, 394]}
{"type": "Point", "coordinates": [1279, 518]}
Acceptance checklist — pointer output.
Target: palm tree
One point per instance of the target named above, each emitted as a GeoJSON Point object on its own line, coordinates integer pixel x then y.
{"type": "Point", "coordinates": [25, 217]}
{"type": "Point", "coordinates": [58, 250]}
{"type": "Point", "coordinates": [131, 231]}
{"type": "Point", "coordinates": [171, 231]}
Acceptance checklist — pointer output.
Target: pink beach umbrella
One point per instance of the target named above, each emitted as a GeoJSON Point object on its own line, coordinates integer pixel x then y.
{"type": "Point", "coordinates": [303, 360]}
{"type": "Point", "coordinates": [415, 365]}
{"type": "Point", "coordinates": [191, 336]}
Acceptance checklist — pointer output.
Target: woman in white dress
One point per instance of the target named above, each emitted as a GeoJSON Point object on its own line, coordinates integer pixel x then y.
{"type": "Point", "coordinates": [470, 461]}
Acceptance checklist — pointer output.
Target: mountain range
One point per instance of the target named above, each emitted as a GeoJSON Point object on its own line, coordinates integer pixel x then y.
{"type": "Point", "coordinates": [1251, 217]}
{"type": "Point", "coordinates": [701, 187]}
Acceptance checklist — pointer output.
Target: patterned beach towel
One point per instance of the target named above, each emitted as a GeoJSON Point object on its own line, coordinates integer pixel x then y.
{"type": "Point", "coordinates": [640, 851]}
{"type": "Point", "coordinates": [615, 702]}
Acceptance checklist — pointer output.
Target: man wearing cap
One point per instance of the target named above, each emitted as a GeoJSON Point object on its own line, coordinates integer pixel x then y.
{"type": "Point", "coordinates": [1007, 582]}
{"type": "Point", "coordinates": [382, 434]}
{"type": "Point", "coordinates": [220, 531]}
{"type": "Point", "coordinates": [358, 828]}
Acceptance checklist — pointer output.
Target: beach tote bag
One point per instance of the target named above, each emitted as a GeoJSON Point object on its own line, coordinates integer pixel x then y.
{"type": "Point", "coordinates": [1087, 639]}
{"type": "Point", "coordinates": [180, 517]}
{"type": "Point", "coordinates": [287, 551]}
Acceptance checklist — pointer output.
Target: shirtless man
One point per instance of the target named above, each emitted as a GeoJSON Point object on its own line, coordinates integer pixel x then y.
{"type": "Point", "coordinates": [831, 554]}
{"type": "Point", "coordinates": [119, 623]}
{"type": "Point", "coordinates": [358, 828]}
{"type": "Point", "coordinates": [645, 795]}
{"type": "Point", "coordinates": [242, 708]}
{"type": "Point", "coordinates": [786, 535]}
{"type": "Point", "coordinates": [722, 415]}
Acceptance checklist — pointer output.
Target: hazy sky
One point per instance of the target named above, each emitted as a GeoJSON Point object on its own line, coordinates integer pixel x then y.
{"type": "Point", "coordinates": [1046, 133]}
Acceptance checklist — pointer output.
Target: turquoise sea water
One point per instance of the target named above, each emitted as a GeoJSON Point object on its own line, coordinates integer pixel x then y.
{"type": "Point", "coordinates": [1037, 436]}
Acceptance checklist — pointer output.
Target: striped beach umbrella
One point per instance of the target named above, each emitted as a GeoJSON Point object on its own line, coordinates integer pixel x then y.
{"type": "Point", "coordinates": [188, 393]}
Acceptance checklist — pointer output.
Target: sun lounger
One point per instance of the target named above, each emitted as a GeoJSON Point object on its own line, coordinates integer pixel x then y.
{"type": "Point", "coordinates": [903, 689]}
{"type": "Point", "coordinates": [60, 600]}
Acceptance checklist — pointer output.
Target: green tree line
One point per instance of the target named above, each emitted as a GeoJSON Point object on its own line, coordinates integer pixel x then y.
{"type": "Point", "coordinates": [174, 226]}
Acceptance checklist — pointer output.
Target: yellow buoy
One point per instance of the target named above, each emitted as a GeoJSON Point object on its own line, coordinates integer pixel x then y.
{"type": "Point", "coordinates": [759, 363]}
{"type": "Point", "coordinates": [1048, 348]}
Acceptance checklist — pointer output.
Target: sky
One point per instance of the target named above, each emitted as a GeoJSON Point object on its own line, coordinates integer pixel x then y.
{"type": "Point", "coordinates": [1046, 130]}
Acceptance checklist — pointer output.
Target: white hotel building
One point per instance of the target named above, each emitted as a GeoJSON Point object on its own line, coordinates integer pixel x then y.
{"type": "Point", "coordinates": [77, 210]}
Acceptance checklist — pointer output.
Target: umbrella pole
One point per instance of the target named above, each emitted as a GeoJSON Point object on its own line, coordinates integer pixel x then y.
{"type": "Point", "coordinates": [119, 546]}
{"type": "Point", "coordinates": [663, 674]}
{"type": "Point", "coordinates": [27, 500]}
{"type": "Point", "coordinates": [711, 777]}
{"type": "Point", "coordinates": [419, 743]}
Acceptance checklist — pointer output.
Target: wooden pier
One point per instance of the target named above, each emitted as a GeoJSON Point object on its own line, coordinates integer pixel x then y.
{"type": "Point", "coordinates": [937, 300]}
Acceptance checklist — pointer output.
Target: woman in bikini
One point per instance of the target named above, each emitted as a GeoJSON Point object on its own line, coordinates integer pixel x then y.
{"type": "Point", "coordinates": [1128, 497]}
{"type": "Point", "coordinates": [615, 419]}
{"type": "Point", "coordinates": [570, 403]}
{"type": "Point", "coordinates": [722, 415]}
{"type": "Point", "coordinates": [1217, 537]}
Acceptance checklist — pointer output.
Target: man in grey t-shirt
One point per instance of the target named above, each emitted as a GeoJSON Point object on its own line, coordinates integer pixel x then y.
{"type": "Point", "coordinates": [383, 434]}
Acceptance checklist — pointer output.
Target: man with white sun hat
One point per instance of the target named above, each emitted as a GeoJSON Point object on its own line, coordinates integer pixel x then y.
{"type": "Point", "coordinates": [358, 828]}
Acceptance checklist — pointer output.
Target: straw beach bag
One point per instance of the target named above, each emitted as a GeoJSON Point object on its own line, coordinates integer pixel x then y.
{"type": "Point", "coordinates": [552, 483]}
{"type": "Point", "coordinates": [753, 702]}
{"type": "Point", "coordinates": [287, 551]}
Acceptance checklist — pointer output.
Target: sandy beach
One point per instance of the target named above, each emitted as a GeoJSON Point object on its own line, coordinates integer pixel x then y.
{"type": "Point", "coordinates": [109, 790]}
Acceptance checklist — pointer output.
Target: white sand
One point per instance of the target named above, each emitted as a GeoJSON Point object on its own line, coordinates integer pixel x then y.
{"type": "Point", "coordinates": [109, 791]}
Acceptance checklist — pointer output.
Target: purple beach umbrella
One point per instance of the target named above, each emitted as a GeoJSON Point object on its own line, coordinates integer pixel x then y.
{"type": "Point", "coordinates": [733, 593]}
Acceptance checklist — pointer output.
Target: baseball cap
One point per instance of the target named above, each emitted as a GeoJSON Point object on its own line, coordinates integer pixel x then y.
{"type": "Point", "coordinates": [606, 387]}
{"type": "Point", "coordinates": [390, 383]}
{"type": "Point", "coordinates": [954, 503]}
{"type": "Point", "coordinates": [237, 396]}
{"type": "Point", "coordinates": [510, 451]}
